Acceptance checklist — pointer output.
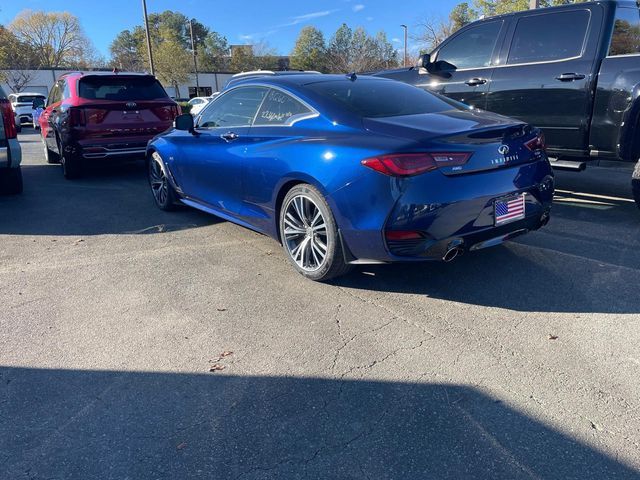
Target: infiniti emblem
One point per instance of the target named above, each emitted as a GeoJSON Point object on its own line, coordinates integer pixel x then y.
{"type": "Point", "coordinates": [503, 149]}
{"type": "Point", "coordinates": [132, 105]}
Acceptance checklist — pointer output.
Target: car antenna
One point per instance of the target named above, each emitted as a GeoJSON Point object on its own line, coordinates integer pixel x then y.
{"type": "Point", "coordinates": [352, 76]}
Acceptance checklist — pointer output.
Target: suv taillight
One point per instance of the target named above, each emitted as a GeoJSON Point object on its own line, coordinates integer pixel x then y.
{"type": "Point", "coordinates": [8, 119]}
{"type": "Point", "coordinates": [409, 164]}
{"type": "Point", "coordinates": [76, 117]}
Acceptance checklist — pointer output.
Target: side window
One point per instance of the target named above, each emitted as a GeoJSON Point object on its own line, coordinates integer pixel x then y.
{"type": "Point", "coordinates": [626, 32]}
{"type": "Point", "coordinates": [548, 37]}
{"type": "Point", "coordinates": [55, 95]}
{"type": "Point", "coordinates": [280, 109]}
{"type": "Point", "coordinates": [472, 48]}
{"type": "Point", "coordinates": [65, 90]}
{"type": "Point", "coordinates": [236, 108]}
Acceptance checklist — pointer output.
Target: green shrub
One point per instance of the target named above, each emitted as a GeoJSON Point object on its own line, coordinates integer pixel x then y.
{"type": "Point", "coordinates": [185, 107]}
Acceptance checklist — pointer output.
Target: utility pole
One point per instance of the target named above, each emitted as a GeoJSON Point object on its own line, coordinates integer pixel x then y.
{"type": "Point", "coordinates": [405, 44]}
{"type": "Point", "coordinates": [533, 4]}
{"type": "Point", "coordinates": [195, 61]}
{"type": "Point", "coordinates": [146, 28]}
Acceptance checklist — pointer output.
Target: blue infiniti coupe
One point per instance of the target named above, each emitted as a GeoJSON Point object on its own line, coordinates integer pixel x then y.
{"type": "Point", "coordinates": [347, 170]}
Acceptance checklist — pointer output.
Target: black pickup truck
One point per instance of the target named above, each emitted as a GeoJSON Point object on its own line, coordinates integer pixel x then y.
{"type": "Point", "coordinates": [572, 70]}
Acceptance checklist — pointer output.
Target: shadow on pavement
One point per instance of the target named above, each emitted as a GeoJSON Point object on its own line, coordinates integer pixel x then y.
{"type": "Point", "coordinates": [69, 424]}
{"type": "Point", "coordinates": [110, 199]}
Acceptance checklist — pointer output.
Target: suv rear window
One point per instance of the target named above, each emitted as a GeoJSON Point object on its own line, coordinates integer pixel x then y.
{"type": "Point", "coordinates": [549, 36]}
{"type": "Point", "coordinates": [121, 88]}
{"type": "Point", "coordinates": [380, 98]}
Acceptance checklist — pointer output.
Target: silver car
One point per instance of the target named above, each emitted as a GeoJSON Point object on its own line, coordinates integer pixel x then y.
{"type": "Point", "coordinates": [10, 152]}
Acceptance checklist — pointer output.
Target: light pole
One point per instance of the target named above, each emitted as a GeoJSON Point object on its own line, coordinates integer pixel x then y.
{"type": "Point", "coordinates": [146, 28]}
{"type": "Point", "coordinates": [195, 61]}
{"type": "Point", "coordinates": [405, 44]}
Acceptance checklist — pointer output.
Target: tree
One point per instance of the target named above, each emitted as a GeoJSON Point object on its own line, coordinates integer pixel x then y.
{"type": "Point", "coordinates": [242, 58]}
{"type": "Point", "coordinates": [357, 51]}
{"type": "Point", "coordinates": [172, 63]}
{"type": "Point", "coordinates": [309, 51]}
{"type": "Point", "coordinates": [213, 55]}
{"type": "Point", "coordinates": [57, 38]}
{"type": "Point", "coordinates": [17, 61]}
{"type": "Point", "coordinates": [126, 51]}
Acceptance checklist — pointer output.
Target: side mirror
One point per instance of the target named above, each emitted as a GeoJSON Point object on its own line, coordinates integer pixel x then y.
{"type": "Point", "coordinates": [424, 61]}
{"type": "Point", "coordinates": [37, 103]}
{"type": "Point", "coordinates": [184, 122]}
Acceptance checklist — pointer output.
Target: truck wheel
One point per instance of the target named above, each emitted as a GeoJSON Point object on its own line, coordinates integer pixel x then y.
{"type": "Point", "coordinates": [11, 181]}
{"type": "Point", "coordinates": [635, 184]}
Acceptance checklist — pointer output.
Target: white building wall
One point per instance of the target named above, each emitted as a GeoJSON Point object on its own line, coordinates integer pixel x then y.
{"type": "Point", "coordinates": [43, 80]}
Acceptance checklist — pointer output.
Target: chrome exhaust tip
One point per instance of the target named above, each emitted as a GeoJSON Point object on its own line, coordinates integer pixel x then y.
{"type": "Point", "coordinates": [451, 254]}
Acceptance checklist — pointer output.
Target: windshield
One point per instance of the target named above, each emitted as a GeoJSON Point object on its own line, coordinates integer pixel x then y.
{"type": "Point", "coordinates": [381, 98]}
{"type": "Point", "coordinates": [28, 98]}
{"type": "Point", "coordinates": [121, 88]}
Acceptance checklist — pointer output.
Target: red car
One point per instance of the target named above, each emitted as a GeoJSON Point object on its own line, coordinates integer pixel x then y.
{"type": "Point", "coordinates": [93, 116]}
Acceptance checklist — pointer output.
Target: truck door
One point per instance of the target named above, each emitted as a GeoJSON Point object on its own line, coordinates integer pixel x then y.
{"type": "Point", "coordinates": [470, 53]}
{"type": "Point", "coordinates": [547, 78]}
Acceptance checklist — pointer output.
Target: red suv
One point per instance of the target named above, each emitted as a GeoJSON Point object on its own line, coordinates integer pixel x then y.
{"type": "Point", "coordinates": [99, 115]}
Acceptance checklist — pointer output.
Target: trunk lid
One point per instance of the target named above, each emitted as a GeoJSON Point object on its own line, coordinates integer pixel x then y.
{"type": "Point", "coordinates": [492, 140]}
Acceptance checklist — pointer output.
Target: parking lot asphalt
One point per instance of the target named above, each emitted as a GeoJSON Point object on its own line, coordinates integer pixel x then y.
{"type": "Point", "coordinates": [521, 361]}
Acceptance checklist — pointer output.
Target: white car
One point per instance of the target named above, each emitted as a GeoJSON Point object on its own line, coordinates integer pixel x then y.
{"type": "Point", "coordinates": [198, 103]}
{"type": "Point", "coordinates": [22, 104]}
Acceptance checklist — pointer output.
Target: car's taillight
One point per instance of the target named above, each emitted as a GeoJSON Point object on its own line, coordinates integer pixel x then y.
{"type": "Point", "coordinates": [95, 115]}
{"type": "Point", "coordinates": [537, 143]}
{"type": "Point", "coordinates": [166, 113]}
{"type": "Point", "coordinates": [8, 119]}
{"type": "Point", "coordinates": [76, 117]}
{"type": "Point", "coordinates": [409, 164]}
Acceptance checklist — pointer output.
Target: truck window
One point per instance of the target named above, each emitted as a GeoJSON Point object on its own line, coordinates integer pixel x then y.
{"type": "Point", "coordinates": [548, 37]}
{"type": "Point", "coordinates": [473, 47]}
{"type": "Point", "coordinates": [626, 32]}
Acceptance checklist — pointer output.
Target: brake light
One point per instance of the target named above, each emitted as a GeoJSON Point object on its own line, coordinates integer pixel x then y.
{"type": "Point", "coordinates": [8, 119]}
{"type": "Point", "coordinates": [95, 115]}
{"type": "Point", "coordinates": [76, 117]}
{"type": "Point", "coordinates": [537, 143]}
{"type": "Point", "coordinates": [166, 113]}
{"type": "Point", "coordinates": [409, 164]}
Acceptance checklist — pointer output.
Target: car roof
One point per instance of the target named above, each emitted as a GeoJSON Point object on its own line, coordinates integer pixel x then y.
{"type": "Point", "coordinates": [301, 79]}
{"type": "Point", "coordinates": [30, 94]}
{"type": "Point", "coordinates": [105, 74]}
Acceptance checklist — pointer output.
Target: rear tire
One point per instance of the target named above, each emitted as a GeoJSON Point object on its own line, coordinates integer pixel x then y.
{"type": "Point", "coordinates": [163, 193]}
{"type": "Point", "coordinates": [49, 155]}
{"type": "Point", "coordinates": [11, 181]}
{"type": "Point", "coordinates": [635, 184]}
{"type": "Point", "coordinates": [309, 235]}
{"type": "Point", "coordinates": [72, 166]}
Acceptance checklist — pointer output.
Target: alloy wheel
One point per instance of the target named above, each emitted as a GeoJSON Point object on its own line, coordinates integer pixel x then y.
{"type": "Point", "coordinates": [305, 233]}
{"type": "Point", "coordinates": [158, 180]}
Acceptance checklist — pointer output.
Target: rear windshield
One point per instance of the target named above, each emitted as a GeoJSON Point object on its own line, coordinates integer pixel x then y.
{"type": "Point", "coordinates": [383, 98]}
{"type": "Point", "coordinates": [28, 98]}
{"type": "Point", "coordinates": [121, 88]}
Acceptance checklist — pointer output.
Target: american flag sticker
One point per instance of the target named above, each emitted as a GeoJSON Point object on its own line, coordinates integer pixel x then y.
{"type": "Point", "coordinates": [509, 210]}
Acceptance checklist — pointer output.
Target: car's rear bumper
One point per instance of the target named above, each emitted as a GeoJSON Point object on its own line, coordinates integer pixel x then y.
{"type": "Point", "coordinates": [447, 212]}
{"type": "Point", "coordinates": [105, 149]}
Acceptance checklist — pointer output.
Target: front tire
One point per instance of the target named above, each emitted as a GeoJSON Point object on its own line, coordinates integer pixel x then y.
{"type": "Point", "coordinates": [635, 184]}
{"type": "Point", "coordinates": [309, 235]}
{"type": "Point", "coordinates": [163, 193]}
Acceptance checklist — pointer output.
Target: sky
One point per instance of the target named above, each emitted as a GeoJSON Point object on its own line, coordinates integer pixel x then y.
{"type": "Point", "coordinates": [277, 22]}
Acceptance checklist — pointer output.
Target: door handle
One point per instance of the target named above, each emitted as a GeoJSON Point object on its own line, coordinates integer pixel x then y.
{"type": "Point", "coordinates": [570, 77]}
{"type": "Point", "coordinates": [473, 82]}
{"type": "Point", "coordinates": [229, 136]}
